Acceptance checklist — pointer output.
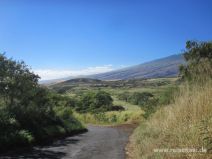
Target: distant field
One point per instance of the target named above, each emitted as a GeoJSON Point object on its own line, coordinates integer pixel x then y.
{"type": "Point", "coordinates": [81, 85]}
{"type": "Point", "coordinates": [132, 113]}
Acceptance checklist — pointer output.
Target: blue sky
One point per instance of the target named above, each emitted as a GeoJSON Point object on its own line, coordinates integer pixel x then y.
{"type": "Point", "coordinates": [58, 38]}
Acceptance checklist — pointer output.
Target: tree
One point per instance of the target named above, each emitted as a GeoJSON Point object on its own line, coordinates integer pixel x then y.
{"type": "Point", "coordinates": [102, 101]}
{"type": "Point", "coordinates": [25, 101]}
{"type": "Point", "coordinates": [85, 102]}
{"type": "Point", "coordinates": [95, 102]}
{"type": "Point", "coordinates": [199, 61]}
{"type": "Point", "coordinates": [28, 112]}
{"type": "Point", "coordinates": [17, 83]}
{"type": "Point", "coordinates": [140, 98]}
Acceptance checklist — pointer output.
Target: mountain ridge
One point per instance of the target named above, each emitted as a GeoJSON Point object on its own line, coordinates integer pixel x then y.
{"type": "Point", "coordinates": [163, 67]}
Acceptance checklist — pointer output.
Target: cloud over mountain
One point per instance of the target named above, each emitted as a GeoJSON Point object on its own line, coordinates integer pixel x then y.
{"type": "Point", "coordinates": [47, 74]}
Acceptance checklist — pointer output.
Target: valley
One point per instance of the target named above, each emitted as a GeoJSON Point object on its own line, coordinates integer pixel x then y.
{"type": "Point", "coordinates": [105, 79]}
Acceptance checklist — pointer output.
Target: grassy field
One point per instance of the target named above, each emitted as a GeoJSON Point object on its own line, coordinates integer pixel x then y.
{"type": "Point", "coordinates": [111, 117]}
{"type": "Point", "coordinates": [184, 124]}
{"type": "Point", "coordinates": [132, 113]}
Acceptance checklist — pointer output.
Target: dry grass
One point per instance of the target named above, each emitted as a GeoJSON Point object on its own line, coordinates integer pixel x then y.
{"type": "Point", "coordinates": [185, 124]}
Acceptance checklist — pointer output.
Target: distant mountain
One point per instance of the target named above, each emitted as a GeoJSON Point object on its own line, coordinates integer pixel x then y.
{"type": "Point", "coordinates": [53, 81]}
{"type": "Point", "coordinates": [81, 84]}
{"type": "Point", "coordinates": [81, 81]}
{"type": "Point", "coordinates": [164, 67]}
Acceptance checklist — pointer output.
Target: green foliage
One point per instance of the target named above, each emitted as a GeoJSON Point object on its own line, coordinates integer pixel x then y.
{"type": "Point", "coordinates": [167, 96]}
{"type": "Point", "coordinates": [101, 117]}
{"type": "Point", "coordinates": [145, 100]}
{"type": "Point", "coordinates": [124, 96]}
{"type": "Point", "coordinates": [111, 117]}
{"type": "Point", "coordinates": [199, 61]}
{"type": "Point", "coordinates": [28, 112]}
{"type": "Point", "coordinates": [142, 99]}
{"type": "Point", "coordinates": [95, 102]}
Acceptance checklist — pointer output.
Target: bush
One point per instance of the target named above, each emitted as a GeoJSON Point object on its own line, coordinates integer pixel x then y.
{"type": "Point", "coordinates": [199, 62]}
{"type": "Point", "coordinates": [95, 102]}
{"type": "Point", "coordinates": [28, 112]}
{"type": "Point", "coordinates": [145, 100]}
{"type": "Point", "coordinates": [167, 96]}
{"type": "Point", "coordinates": [136, 98]}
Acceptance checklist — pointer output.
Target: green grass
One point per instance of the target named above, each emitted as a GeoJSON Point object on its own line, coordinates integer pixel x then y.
{"type": "Point", "coordinates": [137, 85]}
{"type": "Point", "coordinates": [111, 118]}
{"type": "Point", "coordinates": [132, 113]}
{"type": "Point", "coordinates": [126, 105]}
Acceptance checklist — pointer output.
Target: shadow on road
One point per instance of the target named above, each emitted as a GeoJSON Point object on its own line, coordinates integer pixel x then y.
{"type": "Point", "coordinates": [98, 143]}
{"type": "Point", "coordinates": [36, 154]}
{"type": "Point", "coordinates": [54, 151]}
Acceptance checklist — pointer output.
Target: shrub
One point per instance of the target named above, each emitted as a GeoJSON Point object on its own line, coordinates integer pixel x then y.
{"type": "Point", "coordinates": [95, 102]}
{"type": "Point", "coordinates": [199, 61]}
{"type": "Point", "coordinates": [27, 110]}
{"type": "Point", "coordinates": [145, 100]}
{"type": "Point", "coordinates": [167, 96]}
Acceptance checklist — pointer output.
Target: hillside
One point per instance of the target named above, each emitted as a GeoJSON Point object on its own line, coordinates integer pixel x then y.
{"type": "Point", "coordinates": [164, 67]}
{"type": "Point", "coordinates": [80, 85]}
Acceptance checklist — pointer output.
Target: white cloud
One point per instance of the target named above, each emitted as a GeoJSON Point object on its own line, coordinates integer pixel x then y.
{"type": "Point", "coordinates": [47, 74]}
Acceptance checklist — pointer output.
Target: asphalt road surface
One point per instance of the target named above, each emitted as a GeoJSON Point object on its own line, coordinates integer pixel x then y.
{"type": "Point", "coordinates": [98, 143]}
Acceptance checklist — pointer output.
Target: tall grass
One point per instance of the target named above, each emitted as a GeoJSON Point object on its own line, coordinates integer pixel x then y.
{"type": "Point", "coordinates": [187, 123]}
{"type": "Point", "coordinates": [110, 118]}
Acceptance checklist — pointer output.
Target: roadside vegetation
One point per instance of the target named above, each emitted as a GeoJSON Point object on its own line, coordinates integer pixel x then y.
{"type": "Point", "coordinates": [148, 101]}
{"type": "Point", "coordinates": [186, 122]}
{"type": "Point", "coordinates": [99, 108]}
{"type": "Point", "coordinates": [30, 114]}
{"type": "Point", "coordinates": [111, 117]}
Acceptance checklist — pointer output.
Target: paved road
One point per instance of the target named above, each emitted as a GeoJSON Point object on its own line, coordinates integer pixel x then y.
{"type": "Point", "coordinates": [97, 143]}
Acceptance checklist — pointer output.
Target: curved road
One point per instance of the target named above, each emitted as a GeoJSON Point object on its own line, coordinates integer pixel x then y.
{"type": "Point", "coordinates": [98, 143]}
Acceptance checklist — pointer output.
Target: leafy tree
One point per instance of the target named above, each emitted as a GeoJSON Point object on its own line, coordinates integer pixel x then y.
{"type": "Point", "coordinates": [86, 102]}
{"type": "Point", "coordinates": [140, 98]}
{"type": "Point", "coordinates": [27, 110]}
{"type": "Point", "coordinates": [16, 80]}
{"type": "Point", "coordinates": [95, 102]}
{"type": "Point", "coordinates": [145, 100]}
{"type": "Point", "coordinates": [102, 101]}
{"type": "Point", "coordinates": [199, 61]}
